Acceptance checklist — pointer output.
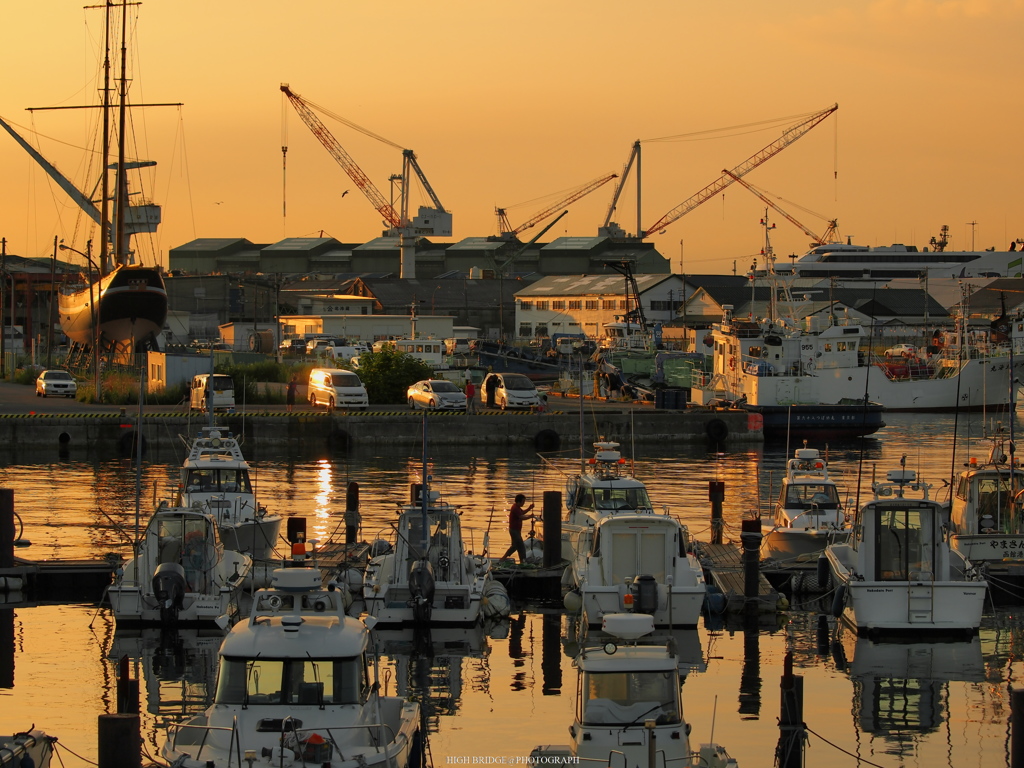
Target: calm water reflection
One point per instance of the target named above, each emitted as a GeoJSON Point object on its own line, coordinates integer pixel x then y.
{"type": "Point", "coordinates": [498, 692]}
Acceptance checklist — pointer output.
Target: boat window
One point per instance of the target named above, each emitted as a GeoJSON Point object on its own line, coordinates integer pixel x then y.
{"type": "Point", "coordinates": [805, 495]}
{"type": "Point", "coordinates": [994, 500]}
{"type": "Point", "coordinates": [252, 682]}
{"type": "Point", "coordinates": [625, 698]}
{"type": "Point", "coordinates": [963, 487]}
{"type": "Point", "coordinates": [621, 498]}
{"type": "Point", "coordinates": [903, 544]}
{"type": "Point", "coordinates": [218, 481]}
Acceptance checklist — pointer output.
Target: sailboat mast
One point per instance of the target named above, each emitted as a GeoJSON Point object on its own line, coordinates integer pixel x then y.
{"type": "Point", "coordinates": [121, 204]}
{"type": "Point", "coordinates": [105, 155]}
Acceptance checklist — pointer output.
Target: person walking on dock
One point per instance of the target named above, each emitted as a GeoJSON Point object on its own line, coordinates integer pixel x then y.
{"type": "Point", "coordinates": [470, 397]}
{"type": "Point", "coordinates": [516, 516]}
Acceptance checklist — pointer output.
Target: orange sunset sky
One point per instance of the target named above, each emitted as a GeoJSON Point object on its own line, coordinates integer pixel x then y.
{"type": "Point", "coordinates": [515, 104]}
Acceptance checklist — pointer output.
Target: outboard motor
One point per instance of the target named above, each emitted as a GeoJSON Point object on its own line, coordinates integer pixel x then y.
{"type": "Point", "coordinates": [421, 585]}
{"type": "Point", "coordinates": [645, 594]}
{"type": "Point", "coordinates": [169, 586]}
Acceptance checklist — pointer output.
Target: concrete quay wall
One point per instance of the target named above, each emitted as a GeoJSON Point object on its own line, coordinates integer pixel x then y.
{"type": "Point", "coordinates": [103, 434]}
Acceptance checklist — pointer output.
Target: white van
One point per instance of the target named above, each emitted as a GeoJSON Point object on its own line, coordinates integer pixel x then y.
{"type": "Point", "coordinates": [216, 391]}
{"type": "Point", "coordinates": [336, 388]}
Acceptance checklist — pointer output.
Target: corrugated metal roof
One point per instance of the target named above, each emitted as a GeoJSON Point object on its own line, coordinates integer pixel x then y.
{"type": "Point", "coordinates": [589, 285]}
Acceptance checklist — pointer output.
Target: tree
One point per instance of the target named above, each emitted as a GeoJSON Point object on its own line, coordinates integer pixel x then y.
{"type": "Point", "coordinates": [387, 374]}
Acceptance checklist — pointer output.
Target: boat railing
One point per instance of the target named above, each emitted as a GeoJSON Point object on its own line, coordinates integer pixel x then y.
{"type": "Point", "coordinates": [372, 729]}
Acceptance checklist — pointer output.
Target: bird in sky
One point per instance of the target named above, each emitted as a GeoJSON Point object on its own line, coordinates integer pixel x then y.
{"type": "Point", "coordinates": [344, 193]}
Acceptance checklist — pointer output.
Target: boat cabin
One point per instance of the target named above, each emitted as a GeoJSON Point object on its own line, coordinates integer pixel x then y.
{"type": "Point", "coordinates": [901, 539]}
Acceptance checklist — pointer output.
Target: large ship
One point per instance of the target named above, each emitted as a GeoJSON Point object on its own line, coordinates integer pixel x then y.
{"type": "Point", "coordinates": [120, 306]}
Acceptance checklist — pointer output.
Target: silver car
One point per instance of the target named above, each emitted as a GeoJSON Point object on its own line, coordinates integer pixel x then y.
{"type": "Point", "coordinates": [56, 382]}
{"type": "Point", "coordinates": [436, 395]}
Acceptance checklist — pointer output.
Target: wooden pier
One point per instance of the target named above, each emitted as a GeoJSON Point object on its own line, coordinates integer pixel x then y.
{"type": "Point", "coordinates": [724, 569]}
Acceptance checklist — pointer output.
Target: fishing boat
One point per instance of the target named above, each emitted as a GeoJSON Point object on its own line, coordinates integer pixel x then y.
{"type": "Point", "coordinates": [429, 574]}
{"type": "Point", "coordinates": [181, 574]}
{"type": "Point", "coordinates": [896, 574]}
{"type": "Point", "coordinates": [28, 749]}
{"type": "Point", "coordinates": [121, 306]}
{"type": "Point", "coordinates": [986, 523]}
{"type": "Point", "coordinates": [215, 475]}
{"type": "Point", "coordinates": [629, 709]}
{"type": "Point", "coordinates": [808, 512]}
{"type": "Point", "coordinates": [623, 555]}
{"type": "Point", "coordinates": [295, 686]}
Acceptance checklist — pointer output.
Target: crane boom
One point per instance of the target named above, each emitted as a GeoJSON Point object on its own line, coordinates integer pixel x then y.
{"type": "Point", "coordinates": [815, 238]}
{"type": "Point", "coordinates": [507, 232]}
{"type": "Point", "coordinates": [788, 137]}
{"type": "Point", "coordinates": [331, 144]}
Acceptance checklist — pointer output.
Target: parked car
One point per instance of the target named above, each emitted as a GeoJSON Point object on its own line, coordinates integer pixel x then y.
{"type": "Point", "coordinates": [901, 350]}
{"type": "Point", "coordinates": [511, 390]}
{"type": "Point", "coordinates": [216, 391]}
{"type": "Point", "coordinates": [321, 346]}
{"type": "Point", "coordinates": [293, 345]}
{"type": "Point", "coordinates": [436, 395]}
{"type": "Point", "coordinates": [336, 388]}
{"type": "Point", "coordinates": [56, 382]}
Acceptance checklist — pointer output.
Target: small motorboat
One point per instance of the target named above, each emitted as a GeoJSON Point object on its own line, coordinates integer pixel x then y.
{"type": "Point", "coordinates": [630, 707]}
{"type": "Point", "coordinates": [623, 555]}
{"type": "Point", "coordinates": [896, 573]}
{"type": "Point", "coordinates": [29, 748]}
{"type": "Point", "coordinates": [639, 562]}
{"type": "Point", "coordinates": [216, 475]}
{"type": "Point", "coordinates": [295, 687]}
{"type": "Point", "coordinates": [986, 525]}
{"type": "Point", "coordinates": [429, 575]}
{"type": "Point", "coordinates": [181, 574]}
{"type": "Point", "coordinates": [808, 513]}
{"type": "Point", "coordinates": [601, 488]}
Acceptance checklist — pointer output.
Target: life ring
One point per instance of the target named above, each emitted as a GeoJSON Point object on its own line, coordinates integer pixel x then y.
{"type": "Point", "coordinates": [716, 430]}
{"type": "Point", "coordinates": [547, 440]}
{"type": "Point", "coordinates": [732, 363]}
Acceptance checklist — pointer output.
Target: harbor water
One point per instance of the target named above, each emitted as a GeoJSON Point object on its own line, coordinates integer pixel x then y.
{"type": "Point", "coordinates": [491, 695]}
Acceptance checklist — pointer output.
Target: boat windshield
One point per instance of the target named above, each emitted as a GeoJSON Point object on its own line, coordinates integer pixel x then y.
{"type": "Point", "coordinates": [615, 499]}
{"type": "Point", "coordinates": [627, 698]}
{"type": "Point", "coordinates": [904, 544]}
{"type": "Point", "coordinates": [803, 495]}
{"type": "Point", "coordinates": [208, 480]}
{"type": "Point", "coordinates": [252, 682]}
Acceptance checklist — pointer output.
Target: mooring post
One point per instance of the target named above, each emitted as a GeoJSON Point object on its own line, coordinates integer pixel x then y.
{"type": "Point", "coordinates": [791, 717]}
{"type": "Point", "coordinates": [716, 494]}
{"type": "Point", "coordinates": [750, 537]}
{"type": "Point", "coordinates": [1017, 728]}
{"type": "Point", "coordinates": [7, 530]}
{"type": "Point", "coordinates": [552, 528]}
{"type": "Point", "coordinates": [127, 689]}
{"type": "Point", "coordinates": [120, 744]}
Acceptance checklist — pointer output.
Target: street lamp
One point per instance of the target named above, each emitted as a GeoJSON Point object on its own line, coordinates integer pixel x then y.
{"type": "Point", "coordinates": [93, 313]}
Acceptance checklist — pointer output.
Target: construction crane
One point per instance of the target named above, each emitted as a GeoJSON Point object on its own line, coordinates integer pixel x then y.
{"type": "Point", "coordinates": [508, 232]}
{"type": "Point", "coordinates": [788, 137]}
{"type": "Point", "coordinates": [831, 234]}
{"type": "Point", "coordinates": [430, 221]}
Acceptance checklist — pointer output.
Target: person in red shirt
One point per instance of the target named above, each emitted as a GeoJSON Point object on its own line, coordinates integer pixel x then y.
{"type": "Point", "coordinates": [516, 516]}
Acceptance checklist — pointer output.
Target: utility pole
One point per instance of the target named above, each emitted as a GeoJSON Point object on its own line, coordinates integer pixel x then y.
{"type": "Point", "coordinates": [972, 225]}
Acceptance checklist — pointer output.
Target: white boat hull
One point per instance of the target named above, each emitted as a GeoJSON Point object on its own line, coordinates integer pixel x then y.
{"type": "Point", "coordinates": [256, 538]}
{"type": "Point", "coordinates": [681, 610]}
{"type": "Point", "coordinates": [794, 544]}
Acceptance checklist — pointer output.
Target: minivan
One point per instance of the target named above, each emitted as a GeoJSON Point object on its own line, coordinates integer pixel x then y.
{"type": "Point", "coordinates": [334, 387]}
{"type": "Point", "coordinates": [216, 391]}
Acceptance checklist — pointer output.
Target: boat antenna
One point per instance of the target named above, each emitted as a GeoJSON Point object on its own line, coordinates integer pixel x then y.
{"type": "Point", "coordinates": [425, 490]}
{"type": "Point", "coordinates": [961, 335]}
{"type": "Point", "coordinates": [583, 463]}
{"type": "Point", "coordinates": [138, 450]}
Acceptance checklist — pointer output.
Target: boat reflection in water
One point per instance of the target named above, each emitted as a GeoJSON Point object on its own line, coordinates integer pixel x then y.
{"type": "Point", "coordinates": [178, 669]}
{"type": "Point", "coordinates": [901, 690]}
